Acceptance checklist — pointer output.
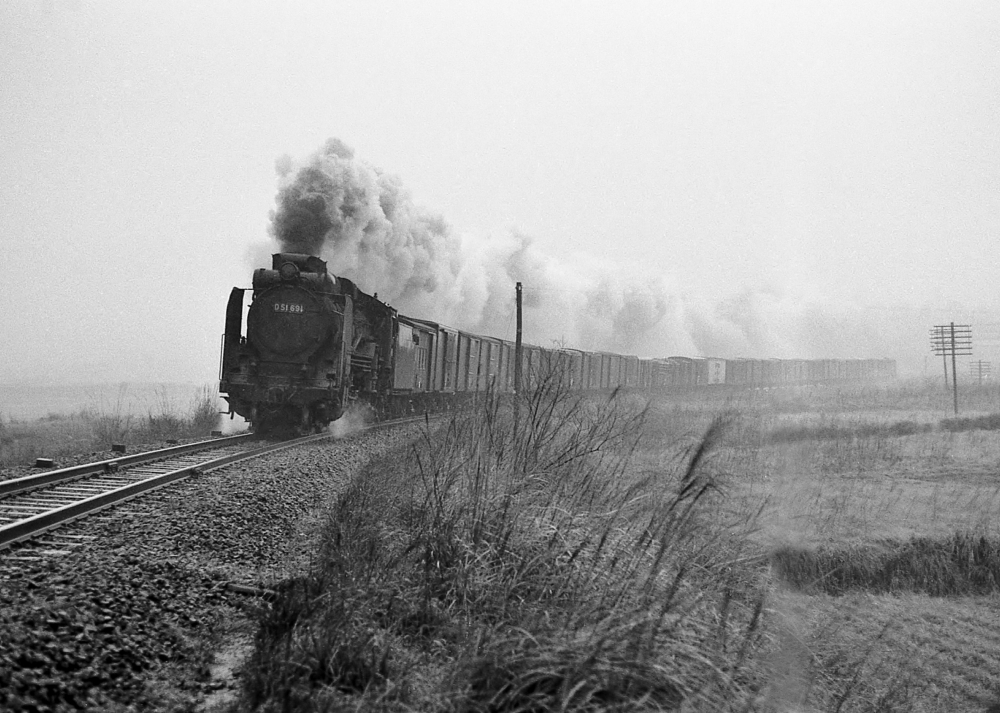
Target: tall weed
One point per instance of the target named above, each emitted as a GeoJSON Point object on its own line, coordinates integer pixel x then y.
{"type": "Point", "coordinates": [203, 414]}
{"type": "Point", "coordinates": [111, 421]}
{"type": "Point", "coordinates": [521, 563]}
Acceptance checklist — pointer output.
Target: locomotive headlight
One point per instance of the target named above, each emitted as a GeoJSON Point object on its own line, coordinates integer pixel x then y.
{"type": "Point", "coordinates": [288, 271]}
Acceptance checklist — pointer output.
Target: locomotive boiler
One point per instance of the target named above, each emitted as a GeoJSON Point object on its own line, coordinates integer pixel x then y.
{"type": "Point", "coordinates": [313, 344]}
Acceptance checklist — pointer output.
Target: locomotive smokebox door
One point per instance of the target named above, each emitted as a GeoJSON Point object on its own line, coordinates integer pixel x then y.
{"type": "Point", "coordinates": [288, 323]}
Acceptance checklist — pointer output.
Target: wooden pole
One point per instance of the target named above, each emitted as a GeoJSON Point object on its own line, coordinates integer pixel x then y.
{"type": "Point", "coordinates": [517, 362]}
{"type": "Point", "coordinates": [517, 344]}
{"type": "Point", "coordinates": [950, 338]}
{"type": "Point", "coordinates": [954, 369]}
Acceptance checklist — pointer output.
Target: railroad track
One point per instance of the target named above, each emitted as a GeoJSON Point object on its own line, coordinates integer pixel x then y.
{"type": "Point", "coordinates": [37, 503]}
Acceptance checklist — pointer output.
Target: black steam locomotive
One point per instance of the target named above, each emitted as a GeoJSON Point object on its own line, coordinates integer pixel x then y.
{"type": "Point", "coordinates": [315, 344]}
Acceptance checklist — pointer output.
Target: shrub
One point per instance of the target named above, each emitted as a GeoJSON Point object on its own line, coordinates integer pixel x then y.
{"type": "Point", "coordinates": [989, 422]}
{"type": "Point", "coordinates": [964, 564]}
{"type": "Point", "coordinates": [830, 432]}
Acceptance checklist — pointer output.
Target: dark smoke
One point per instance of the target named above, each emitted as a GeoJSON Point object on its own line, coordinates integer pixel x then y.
{"type": "Point", "coordinates": [367, 227]}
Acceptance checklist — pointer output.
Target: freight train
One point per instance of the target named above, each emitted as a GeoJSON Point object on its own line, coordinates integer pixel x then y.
{"type": "Point", "coordinates": [314, 344]}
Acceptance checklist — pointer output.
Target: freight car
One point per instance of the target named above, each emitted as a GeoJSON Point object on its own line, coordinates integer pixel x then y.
{"type": "Point", "coordinates": [314, 344]}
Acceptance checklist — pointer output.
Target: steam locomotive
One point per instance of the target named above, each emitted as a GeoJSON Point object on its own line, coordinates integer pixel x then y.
{"type": "Point", "coordinates": [315, 344]}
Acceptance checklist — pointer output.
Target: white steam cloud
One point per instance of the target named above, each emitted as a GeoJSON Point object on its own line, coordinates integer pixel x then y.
{"type": "Point", "coordinates": [364, 223]}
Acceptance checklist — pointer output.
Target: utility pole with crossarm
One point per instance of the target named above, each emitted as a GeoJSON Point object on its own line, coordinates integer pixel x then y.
{"type": "Point", "coordinates": [980, 370]}
{"type": "Point", "coordinates": [956, 340]}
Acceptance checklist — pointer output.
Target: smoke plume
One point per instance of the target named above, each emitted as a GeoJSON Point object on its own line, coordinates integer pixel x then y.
{"type": "Point", "coordinates": [364, 223]}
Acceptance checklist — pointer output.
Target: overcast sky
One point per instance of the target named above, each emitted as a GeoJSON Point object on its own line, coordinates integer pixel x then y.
{"type": "Point", "coordinates": [812, 163]}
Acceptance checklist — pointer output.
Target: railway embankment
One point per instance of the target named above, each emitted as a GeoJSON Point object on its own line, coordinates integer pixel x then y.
{"type": "Point", "coordinates": [126, 610]}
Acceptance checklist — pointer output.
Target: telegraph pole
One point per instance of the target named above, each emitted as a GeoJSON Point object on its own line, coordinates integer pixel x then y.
{"type": "Point", "coordinates": [956, 340]}
{"type": "Point", "coordinates": [980, 370]}
{"type": "Point", "coordinates": [517, 361]}
{"type": "Point", "coordinates": [954, 369]}
{"type": "Point", "coordinates": [517, 343]}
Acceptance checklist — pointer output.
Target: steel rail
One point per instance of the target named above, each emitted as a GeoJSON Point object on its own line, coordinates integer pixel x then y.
{"type": "Point", "coordinates": [36, 524]}
{"type": "Point", "coordinates": [16, 486]}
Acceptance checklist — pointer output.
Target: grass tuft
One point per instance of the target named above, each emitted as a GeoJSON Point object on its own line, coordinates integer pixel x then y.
{"type": "Point", "coordinates": [562, 672]}
{"type": "Point", "coordinates": [965, 564]}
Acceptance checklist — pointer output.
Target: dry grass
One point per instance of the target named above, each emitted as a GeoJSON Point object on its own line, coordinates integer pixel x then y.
{"type": "Point", "coordinates": [106, 422]}
{"type": "Point", "coordinates": [906, 652]}
{"type": "Point", "coordinates": [870, 484]}
{"type": "Point", "coordinates": [879, 502]}
{"type": "Point", "coordinates": [609, 555]}
{"type": "Point", "coordinates": [505, 565]}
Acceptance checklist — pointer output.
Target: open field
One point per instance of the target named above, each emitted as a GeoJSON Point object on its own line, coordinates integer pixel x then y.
{"type": "Point", "coordinates": [101, 416]}
{"type": "Point", "coordinates": [776, 551]}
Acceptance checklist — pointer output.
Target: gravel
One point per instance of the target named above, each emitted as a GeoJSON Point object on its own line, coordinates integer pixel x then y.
{"type": "Point", "coordinates": [132, 620]}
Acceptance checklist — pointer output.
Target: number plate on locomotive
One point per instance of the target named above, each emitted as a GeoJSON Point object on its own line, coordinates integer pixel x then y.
{"type": "Point", "coordinates": [288, 307]}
